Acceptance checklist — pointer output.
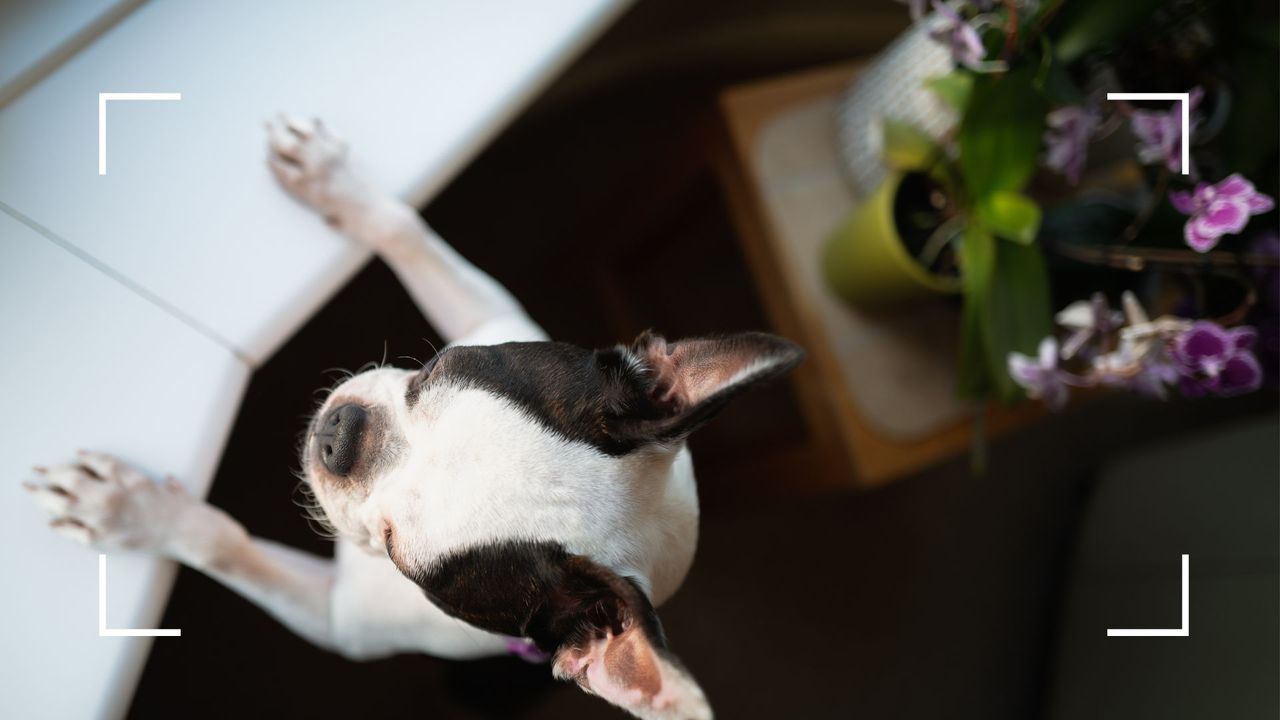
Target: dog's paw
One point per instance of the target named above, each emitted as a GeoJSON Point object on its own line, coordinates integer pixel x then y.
{"type": "Point", "coordinates": [105, 503]}
{"type": "Point", "coordinates": [311, 163]}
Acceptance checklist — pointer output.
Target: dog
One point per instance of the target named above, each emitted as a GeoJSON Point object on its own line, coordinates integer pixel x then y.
{"type": "Point", "coordinates": [513, 495]}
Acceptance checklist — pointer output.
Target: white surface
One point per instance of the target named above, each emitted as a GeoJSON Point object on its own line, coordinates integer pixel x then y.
{"type": "Point", "coordinates": [188, 210]}
{"type": "Point", "coordinates": [33, 30]}
{"type": "Point", "coordinates": [88, 363]}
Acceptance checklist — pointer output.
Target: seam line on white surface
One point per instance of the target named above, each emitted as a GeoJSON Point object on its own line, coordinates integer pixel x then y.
{"type": "Point", "coordinates": [129, 284]}
{"type": "Point", "coordinates": [58, 55]}
{"type": "Point", "coordinates": [103, 630]}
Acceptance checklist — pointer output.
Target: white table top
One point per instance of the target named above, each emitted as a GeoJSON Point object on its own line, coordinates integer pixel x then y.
{"type": "Point", "coordinates": [89, 364]}
{"type": "Point", "coordinates": [185, 208]}
{"type": "Point", "coordinates": [35, 36]}
{"type": "Point", "coordinates": [134, 305]}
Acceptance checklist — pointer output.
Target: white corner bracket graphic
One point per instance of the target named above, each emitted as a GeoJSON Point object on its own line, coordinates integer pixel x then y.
{"type": "Point", "coordinates": [1185, 98]}
{"type": "Point", "coordinates": [103, 630]}
{"type": "Point", "coordinates": [1183, 631]}
{"type": "Point", "coordinates": [102, 118]}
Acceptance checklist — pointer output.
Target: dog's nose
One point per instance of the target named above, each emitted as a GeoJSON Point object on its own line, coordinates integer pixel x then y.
{"type": "Point", "coordinates": [338, 438]}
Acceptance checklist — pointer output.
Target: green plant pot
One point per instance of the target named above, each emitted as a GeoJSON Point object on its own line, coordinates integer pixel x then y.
{"type": "Point", "coordinates": [866, 263]}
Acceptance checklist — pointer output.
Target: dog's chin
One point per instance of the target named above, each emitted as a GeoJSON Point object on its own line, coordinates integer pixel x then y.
{"type": "Point", "coordinates": [368, 547]}
{"type": "Point", "coordinates": [361, 539]}
{"type": "Point", "coordinates": [331, 524]}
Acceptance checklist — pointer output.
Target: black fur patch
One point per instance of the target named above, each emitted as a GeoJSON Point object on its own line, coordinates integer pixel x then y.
{"type": "Point", "coordinates": [574, 392]}
{"type": "Point", "coordinates": [608, 399]}
{"type": "Point", "coordinates": [540, 591]}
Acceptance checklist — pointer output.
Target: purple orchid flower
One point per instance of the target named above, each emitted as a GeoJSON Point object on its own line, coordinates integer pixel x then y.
{"type": "Point", "coordinates": [1040, 376]}
{"type": "Point", "coordinates": [1154, 379]}
{"type": "Point", "coordinates": [1067, 139]}
{"type": "Point", "coordinates": [1087, 319]}
{"type": "Point", "coordinates": [1160, 133]}
{"type": "Point", "coordinates": [961, 38]}
{"type": "Point", "coordinates": [1217, 210]}
{"type": "Point", "coordinates": [1217, 361]}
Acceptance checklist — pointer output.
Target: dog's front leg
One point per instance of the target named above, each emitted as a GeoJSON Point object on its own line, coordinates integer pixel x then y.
{"type": "Point", "coordinates": [112, 507]}
{"type": "Point", "coordinates": [463, 303]}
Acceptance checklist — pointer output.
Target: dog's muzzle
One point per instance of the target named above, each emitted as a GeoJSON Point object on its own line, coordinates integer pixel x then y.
{"type": "Point", "coordinates": [338, 438]}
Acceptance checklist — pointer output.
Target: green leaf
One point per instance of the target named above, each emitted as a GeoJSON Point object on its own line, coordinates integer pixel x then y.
{"type": "Point", "coordinates": [953, 88]}
{"type": "Point", "coordinates": [1006, 309]}
{"type": "Point", "coordinates": [1000, 133]}
{"type": "Point", "coordinates": [907, 147]}
{"type": "Point", "coordinates": [1057, 84]}
{"type": "Point", "coordinates": [1017, 311]}
{"type": "Point", "coordinates": [1086, 24]}
{"type": "Point", "coordinates": [1011, 215]}
{"type": "Point", "coordinates": [978, 258]}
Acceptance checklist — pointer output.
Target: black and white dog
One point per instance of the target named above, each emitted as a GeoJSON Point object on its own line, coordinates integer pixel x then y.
{"type": "Point", "coordinates": [540, 493]}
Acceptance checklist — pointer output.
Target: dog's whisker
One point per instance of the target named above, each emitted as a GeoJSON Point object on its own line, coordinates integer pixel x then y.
{"type": "Point", "coordinates": [312, 512]}
{"type": "Point", "coordinates": [434, 350]}
{"type": "Point", "coordinates": [338, 375]}
{"type": "Point", "coordinates": [421, 364]}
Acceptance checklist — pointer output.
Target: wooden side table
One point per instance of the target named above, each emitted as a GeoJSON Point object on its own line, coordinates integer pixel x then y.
{"type": "Point", "coordinates": [878, 393]}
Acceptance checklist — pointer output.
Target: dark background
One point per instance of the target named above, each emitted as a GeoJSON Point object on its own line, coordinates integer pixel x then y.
{"type": "Point", "coordinates": [941, 595]}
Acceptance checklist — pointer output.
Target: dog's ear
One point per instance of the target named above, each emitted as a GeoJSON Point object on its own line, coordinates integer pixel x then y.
{"type": "Point", "coordinates": [665, 390]}
{"type": "Point", "coordinates": [614, 647]}
{"type": "Point", "coordinates": [599, 627]}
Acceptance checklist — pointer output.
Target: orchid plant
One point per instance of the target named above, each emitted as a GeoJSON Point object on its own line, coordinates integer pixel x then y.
{"type": "Point", "coordinates": [1133, 352]}
{"type": "Point", "coordinates": [1029, 86]}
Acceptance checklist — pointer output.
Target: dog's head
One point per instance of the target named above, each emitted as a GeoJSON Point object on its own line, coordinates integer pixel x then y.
{"type": "Point", "coordinates": [541, 491]}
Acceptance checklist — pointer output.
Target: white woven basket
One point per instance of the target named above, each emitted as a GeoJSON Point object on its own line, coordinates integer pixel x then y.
{"type": "Point", "coordinates": [891, 86]}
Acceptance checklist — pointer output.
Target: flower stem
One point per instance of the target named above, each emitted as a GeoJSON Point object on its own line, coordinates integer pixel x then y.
{"type": "Point", "coordinates": [1046, 15]}
{"type": "Point", "coordinates": [1140, 220]}
{"type": "Point", "coordinates": [1011, 30]}
{"type": "Point", "coordinates": [978, 441]}
{"type": "Point", "coordinates": [1136, 259]}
